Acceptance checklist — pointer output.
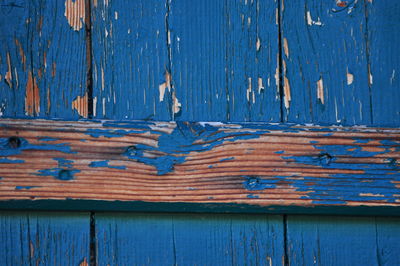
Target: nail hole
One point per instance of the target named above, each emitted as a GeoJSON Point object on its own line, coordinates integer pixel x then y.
{"type": "Point", "coordinates": [325, 158]}
{"type": "Point", "coordinates": [253, 182]}
{"type": "Point", "coordinates": [14, 142]}
{"type": "Point", "coordinates": [65, 175]}
{"type": "Point", "coordinates": [393, 162]}
{"type": "Point", "coordinates": [130, 151]}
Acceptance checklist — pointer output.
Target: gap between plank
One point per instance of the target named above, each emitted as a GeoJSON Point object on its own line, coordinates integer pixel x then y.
{"type": "Point", "coordinates": [280, 63]}
{"type": "Point", "coordinates": [89, 57]}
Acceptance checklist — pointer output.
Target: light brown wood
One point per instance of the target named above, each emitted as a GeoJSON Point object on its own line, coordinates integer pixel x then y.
{"type": "Point", "coordinates": [256, 164]}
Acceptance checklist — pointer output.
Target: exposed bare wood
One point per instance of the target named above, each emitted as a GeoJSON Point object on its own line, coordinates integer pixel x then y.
{"type": "Point", "coordinates": [256, 164]}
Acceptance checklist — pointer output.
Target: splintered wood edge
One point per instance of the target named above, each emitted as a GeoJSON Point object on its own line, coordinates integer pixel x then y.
{"type": "Point", "coordinates": [184, 166]}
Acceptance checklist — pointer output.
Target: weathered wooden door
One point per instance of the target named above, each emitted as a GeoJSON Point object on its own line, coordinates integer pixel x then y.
{"type": "Point", "coordinates": [209, 132]}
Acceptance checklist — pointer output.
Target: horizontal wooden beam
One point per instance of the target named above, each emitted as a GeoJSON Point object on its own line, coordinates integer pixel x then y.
{"type": "Point", "coordinates": [250, 166]}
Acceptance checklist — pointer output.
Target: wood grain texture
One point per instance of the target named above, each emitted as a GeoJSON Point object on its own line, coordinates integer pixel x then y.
{"type": "Point", "coordinates": [173, 239]}
{"type": "Point", "coordinates": [224, 57]}
{"type": "Point", "coordinates": [42, 58]}
{"type": "Point", "coordinates": [256, 164]}
{"type": "Point", "coordinates": [319, 240]}
{"type": "Point", "coordinates": [130, 60]}
{"type": "Point", "coordinates": [35, 238]}
{"type": "Point", "coordinates": [383, 22]}
{"type": "Point", "coordinates": [325, 62]}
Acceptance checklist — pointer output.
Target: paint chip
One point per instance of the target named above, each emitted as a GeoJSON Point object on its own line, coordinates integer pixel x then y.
{"type": "Point", "coordinates": [75, 13]}
{"type": "Point", "coordinates": [80, 105]}
{"type": "Point", "coordinates": [286, 92]}
{"type": "Point", "coordinates": [286, 47]}
{"type": "Point", "coordinates": [350, 78]}
{"type": "Point", "coordinates": [32, 98]}
{"type": "Point", "coordinates": [248, 91]}
{"type": "Point", "coordinates": [258, 44]}
{"type": "Point", "coordinates": [163, 86]}
{"type": "Point", "coordinates": [8, 76]}
{"type": "Point", "coordinates": [320, 90]}
{"type": "Point", "coordinates": [311, 22]}
{"type": "Point", "coordinates": [260, 85]}
{"type": "Point", "coordinates": [176, 105]}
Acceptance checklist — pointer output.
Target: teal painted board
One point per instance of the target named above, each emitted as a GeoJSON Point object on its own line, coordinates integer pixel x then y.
{"type": "Point", "coordinates": [190, 239]}
{"type": "Point", "coordinates": [341, 240]}
{"type": "Point", "coordinates": [130, 61]}
{"type": "Point", "coordinates": [42, 59]}
{"type": "Point", "coordinates": [383, 21]}
{"type": "Point", "coordinates": [224, 57]}
{"type": "Point", "coordinates": [39, 238]}
{"type": "Point", "coordinates": [325, 63]}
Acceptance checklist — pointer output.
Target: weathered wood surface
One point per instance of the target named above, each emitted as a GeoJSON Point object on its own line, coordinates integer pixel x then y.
{"type": "Point", "coordinates": [173, 239]}
{"type": "Point", "coordinates": [256, 164]}
{"type": "Point", "coordinates": [35, 238]}
{"type": "Point", "coordinates": [43, 59]}
{"type": "Point", "coordinates": [130, 60]}
{"type": "Point", "coordinates": [338, 240]}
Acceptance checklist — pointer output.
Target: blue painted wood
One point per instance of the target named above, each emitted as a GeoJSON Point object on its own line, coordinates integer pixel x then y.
{"type": "Point", "coordinates": [171, 239]}
{"type": "Point", "coordinates": [36, 238]}
{"type": "Point", "coordinates": [130, 60]}
{"type": "Point", "coordinates": [325, 62]}
{"type": "Point", "coordinates": [324, 240]}
{"type": "Point", "coordinates": [42, 58]}
{"type": "Point", "coordinates": [224, 59]}
{"type": "Point", "coordinates": [383, 22]}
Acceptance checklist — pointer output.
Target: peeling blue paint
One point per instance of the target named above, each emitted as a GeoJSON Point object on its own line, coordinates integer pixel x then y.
{"type": "Point", "coordinates": [105, 164]}
{"type": "Point", "coordinates": [227, 159]}
{"type": "Point", "coordinates": [110, 133]}
{"type": "Point", "coordinates": [59, 173]}
{"type": "Point", "coordinates": [6, 160]}
{"type": "Point", "coordinates": [25, 187]}
{"type": "Point", "coordinates": [279, 152]}
{"type": "Point", "coordinates": [185, 138]}
{"type": "Point", "coordinates": [252, 196]}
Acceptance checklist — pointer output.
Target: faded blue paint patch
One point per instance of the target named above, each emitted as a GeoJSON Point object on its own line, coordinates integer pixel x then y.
{"type": "Point", "coordinates": [6, 160]}
{"type": "Point", "coordinates": [314, 141]}
{"type": "Point", "coordinates": [252, 196]}
{"type": "Point", "coordinates": [6, 149]}
{"type": "Point", "coordinates": [25, 187]}
{"type": "Point", "coordinates": [59, 173]}
{"type": "Point", "coordinates": [110, 133]}
{"type": "Point", "coordinates": [210, 166]}
{"type": "Point", "coordinates": [62, 162]}
{"type": "Point", "coordinates": [64, 171]}
{"type": "Point", "coordinates": [227, 159]}
{"type": "Point", "coordinates": [105, 164]}
{"type": "Point", "coordinates": [359, 141]}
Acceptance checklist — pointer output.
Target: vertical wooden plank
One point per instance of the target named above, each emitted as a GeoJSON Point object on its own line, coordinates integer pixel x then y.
{"type": "Point", "coordinates": [383, 23]}
{"type": "Point", "coordinates": [134, 239]}
{"type": "Point", "coordinates": [188, 239]}
{"type": "Point", "coordinates": [43, 59]}
{"type": "Point", "coordinates": [44, 238]}
{"type": "Point", "coordinates": [130, 60]}
{"type": "Point", "coordinates": [229, 240]}
{"type": "Point", "coordinates": [325, 63]}
{"type": "Point", "coordinates": [224, 60]}
{"type": "Point", "coordinates": [323, 240]}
